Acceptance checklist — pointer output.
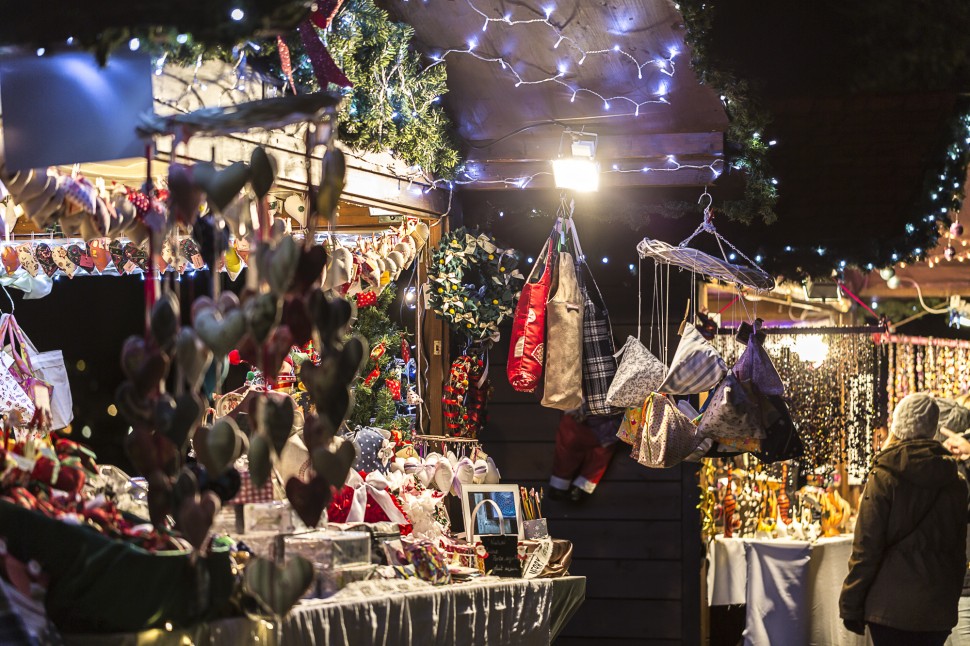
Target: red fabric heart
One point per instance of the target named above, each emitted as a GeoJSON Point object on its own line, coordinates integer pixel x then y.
{"type": "Point", "coordinates": [309, 499]}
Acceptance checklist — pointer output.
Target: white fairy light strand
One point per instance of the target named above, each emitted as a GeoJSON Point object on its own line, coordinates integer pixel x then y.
{"type": "Point", "coordinates": [524, 181]}
{"type": "Point", "coordinates": [557, 79]}
{"type": "Point", "coordinates": [665, 65]}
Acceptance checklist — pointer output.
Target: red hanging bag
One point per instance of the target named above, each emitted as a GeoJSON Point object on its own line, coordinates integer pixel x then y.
{"type": "Point", "coordinates": [527, 343]}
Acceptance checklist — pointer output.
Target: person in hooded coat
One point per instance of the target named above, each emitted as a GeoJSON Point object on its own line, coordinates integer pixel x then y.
{"type": "Point", "coordinates": [909, 554]}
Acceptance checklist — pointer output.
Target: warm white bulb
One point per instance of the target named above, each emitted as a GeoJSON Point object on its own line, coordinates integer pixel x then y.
{"type": "Point", "coordinates": [237, 14]}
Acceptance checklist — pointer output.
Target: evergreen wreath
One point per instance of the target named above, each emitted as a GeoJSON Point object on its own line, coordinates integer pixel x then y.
{"type": "Point", "coordinates": [473, 284]}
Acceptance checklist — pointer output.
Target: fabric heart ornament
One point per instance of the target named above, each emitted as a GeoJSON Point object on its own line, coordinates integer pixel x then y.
{"type": "Point", "coordinates": [11, 259]}
{"type": "Point", "coordinates": [221, 186]}
{"type": "Point", "coordinates": [295, 207]}
{"type": "Point", "coordinates": [190, 251]}
{"type": "Point", "coordinates": [193, 357]}
{"type": "Point", "coordinates": [317, 432]}
{"type": "Point", "coordinates": [262, 170]}
{"type": "Point", "coordinates": [224, 444]}
{"type": "Point", "coordinates": [144, 365]}
{"type": "Point", "coordinates": [165, 317]}
{"type": "Point", "coordinates": [98, 249]}
{"type": "Point", "coordinates": [492, 476]}
{"type": "Point", "coordinates": [63, 262]}
{"type": "Point", "coordinates": [195, 517]}
{"type": "Point", "coordinates": [444, 476]}
{"type": "Point", "coordinates": [133, 406]}
{"type": "Point", "coordinates": [275, 413]}
{"type": "Point", "coordinates": [150, 451]}
{"type": "Point", "coordinates": [134, 258]}
{"type": "Point", "coordinates": [309, 499]}
{"type": "Point", "coordinates": [25, 253]}
{"type": "Point", "coordinates": [309, 269]}
{"type": "Point", "coordinates": [160, 498]}
{"type": "Point", "coordinates": [221, 332]}
{"type": "Point", "coordinates": [334, 464]}
{"type": "Point", "coordinates": [45, 259]}
{"type": "Point", "coordinates": [367, 299]}
{"type": "Point", "coordinates": [233, 263]}
{"type": "Point", "coordinates": [330, 316]}
{"type": "Point", "coordinates": [184, 195]}
{"type": "Point", "coordinates": [277, 265]}
{"type": "Point", "coordinates": [276, 349]}
{"type": "Point", "coordinates": [79, 194]}
{"type": "Point", "coordinates": [296, 316]}
{"type": "Point", "coordinates": [277, 588]}
{"type": "Point", "coordinates": [80, 257]}
{"type": "Point", "coordinates": [117, 252]}
{"type": "Point", "coordinates": [261, 315]}
{"type": "Point", "coordinates": [340, 270]}
{"type": "Point", "coordinates": [260, 460]}
{"type": "Point", "coordinates": [179, 422]}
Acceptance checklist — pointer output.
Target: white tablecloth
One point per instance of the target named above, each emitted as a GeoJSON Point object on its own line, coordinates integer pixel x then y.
{"type": "Point", "coordinates": [815, 621]}
{"type": "Point", "coordinates": [507, 612]}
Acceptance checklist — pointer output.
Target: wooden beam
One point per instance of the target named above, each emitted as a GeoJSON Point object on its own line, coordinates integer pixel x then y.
{"type": "Point", "coordinates": [490, 175]}
{"type": "Point", "coordinates": [435, 340]}
{"type": "Point", "coordinates": [541, 145]}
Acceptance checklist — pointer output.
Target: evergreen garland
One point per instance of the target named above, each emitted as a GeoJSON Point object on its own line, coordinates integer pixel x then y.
{"type": "Point", "coordinates": [374, 404]}
{"type": "Point", "coordinates": [745, 149]}
{"type": "Point", "coordinates": [395, 102]}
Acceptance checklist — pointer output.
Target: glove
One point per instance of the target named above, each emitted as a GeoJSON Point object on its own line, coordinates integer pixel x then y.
{"type": "Point", "coordinates": [856, 626]}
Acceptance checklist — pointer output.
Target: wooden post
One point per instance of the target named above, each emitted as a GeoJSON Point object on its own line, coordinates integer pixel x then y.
{"type": "Point", "coordinates": [435, 340]}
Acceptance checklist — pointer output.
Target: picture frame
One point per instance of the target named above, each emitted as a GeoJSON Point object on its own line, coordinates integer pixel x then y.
{"type": "Point", "coordinates": [505, 496]}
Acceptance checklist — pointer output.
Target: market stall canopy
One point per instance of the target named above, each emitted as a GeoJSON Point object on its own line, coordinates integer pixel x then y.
{"type": "Point", "coordinates": [519, 74]}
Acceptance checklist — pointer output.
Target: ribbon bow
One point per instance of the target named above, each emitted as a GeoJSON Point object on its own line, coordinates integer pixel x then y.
{"type": "Point", "coordinates": [375, 486]}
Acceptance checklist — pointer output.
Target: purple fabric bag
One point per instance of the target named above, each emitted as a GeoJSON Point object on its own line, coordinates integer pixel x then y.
{"type": "Point", "coordinates": [755, 366]}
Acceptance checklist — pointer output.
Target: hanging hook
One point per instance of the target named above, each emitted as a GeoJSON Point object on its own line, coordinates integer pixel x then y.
{"type": "Point", "coordinates": [710, 202]}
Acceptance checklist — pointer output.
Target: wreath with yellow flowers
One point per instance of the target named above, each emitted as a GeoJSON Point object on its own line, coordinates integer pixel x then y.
{"type": "Point", "coordinates": [473, 284]}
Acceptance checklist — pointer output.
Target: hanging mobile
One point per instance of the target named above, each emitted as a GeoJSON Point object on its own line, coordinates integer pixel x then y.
{"type": "Point", "coordinates": [697, 261]}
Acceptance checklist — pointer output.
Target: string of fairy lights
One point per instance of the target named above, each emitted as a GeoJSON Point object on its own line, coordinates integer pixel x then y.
{"type": "Point", "coordinates": [664, 64]}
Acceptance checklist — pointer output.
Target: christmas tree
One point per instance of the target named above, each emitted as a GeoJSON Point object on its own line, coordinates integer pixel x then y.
{"type": "Point", "coordinates": [375, 392]}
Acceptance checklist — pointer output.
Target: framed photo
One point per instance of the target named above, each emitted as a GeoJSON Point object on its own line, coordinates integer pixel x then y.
{"type": "Point", "coordinates": [487, 520]}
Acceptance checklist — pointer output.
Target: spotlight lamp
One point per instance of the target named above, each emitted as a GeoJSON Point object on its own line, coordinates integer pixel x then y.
{"type": "Point", "coordinates": [576, 168]}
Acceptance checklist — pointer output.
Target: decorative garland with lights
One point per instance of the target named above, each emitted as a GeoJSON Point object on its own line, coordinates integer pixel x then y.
{"type": "Point", "coordinates": [394, 104]}
{"type": "Point", "coordinates": [943, 193]}
{"type": "Point", "coordinates": [746, 148]}
{"type": "Point", "coordinates": [473, 284]}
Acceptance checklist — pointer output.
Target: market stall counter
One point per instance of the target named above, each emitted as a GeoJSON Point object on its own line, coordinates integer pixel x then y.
{"type": "Point", "coordinates": [517, 612]}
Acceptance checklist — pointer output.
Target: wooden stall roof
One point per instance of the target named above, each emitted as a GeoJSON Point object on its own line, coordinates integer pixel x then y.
{"type": "Point", "coordinates": [515, 131]}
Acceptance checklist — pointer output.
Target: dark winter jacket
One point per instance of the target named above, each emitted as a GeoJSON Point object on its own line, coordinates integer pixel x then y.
{"type": "Point", "coordinates": [909, 555]}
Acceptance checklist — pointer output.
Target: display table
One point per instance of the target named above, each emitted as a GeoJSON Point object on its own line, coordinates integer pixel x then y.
{"type": "Point", "coordinates": [791, 588]}
{"type": "Point", "coordinates": [512, 612]}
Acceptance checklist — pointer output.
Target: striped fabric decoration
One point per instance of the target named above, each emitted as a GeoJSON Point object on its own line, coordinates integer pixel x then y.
{"type": "Point", "coordinates": [696, 367]}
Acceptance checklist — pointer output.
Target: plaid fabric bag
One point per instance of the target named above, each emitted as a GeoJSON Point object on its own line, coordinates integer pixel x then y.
{"type": "Point", "coordinates": [599, 360]}
{"type": "Point", "coordinates": [696, 367]}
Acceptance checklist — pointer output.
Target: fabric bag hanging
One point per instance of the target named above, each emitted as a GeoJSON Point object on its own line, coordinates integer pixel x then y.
{"type": "Point", "coordinates": [49, 367]}
{"type": "Point", "coordinates": [782, 441]}
{"type": "Point", "coordinates": [527, 341]}
{"type": "Point", "coordinates": [733, 412]}
{"type": "Point", "coordinates": [667, 437]}
{"type": "Point", "coordinates": [639, 374]}
{"type": "Point", "coordinates": [599, 351]}
{"type": "Point", "coordinates": [755, 366]}
{"type": "Point", "coordinates": [19, 368]}
{"type": "Point", "coordinates": [696, 367]}
{"type": "Point", "coordinates": [563, 388]}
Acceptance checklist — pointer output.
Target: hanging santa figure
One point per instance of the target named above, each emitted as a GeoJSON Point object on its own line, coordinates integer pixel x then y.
{"type": "Point", "coordinates": [584, 447]}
